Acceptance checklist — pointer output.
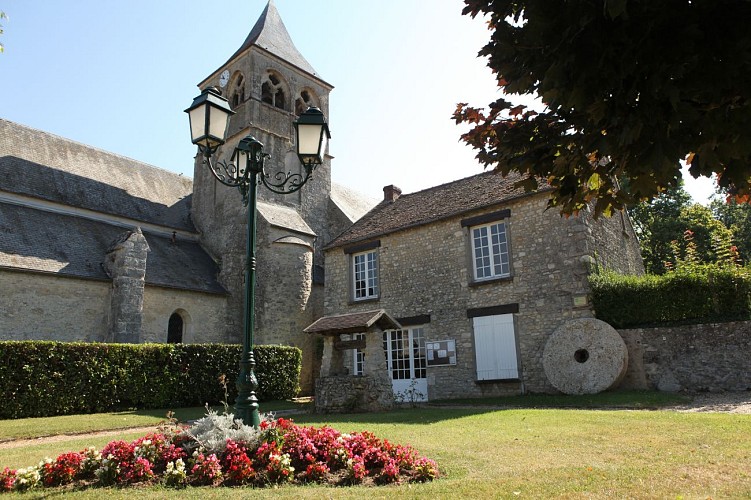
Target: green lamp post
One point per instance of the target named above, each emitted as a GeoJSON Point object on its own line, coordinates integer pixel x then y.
{"type": "Point", "coordinates": [209, 116]}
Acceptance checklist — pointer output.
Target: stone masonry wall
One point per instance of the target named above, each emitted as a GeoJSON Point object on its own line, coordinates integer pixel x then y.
{"type": "Point", "coordinates": [428, 270]}
{"type": "Point", "coordinates": [713, 357]}
{"type": "Point", "coordinates": [37, 306]}
{"type": "Point", "coordinates": [203, 315]}
{"type": "Point", "coordinates": [613, 243]}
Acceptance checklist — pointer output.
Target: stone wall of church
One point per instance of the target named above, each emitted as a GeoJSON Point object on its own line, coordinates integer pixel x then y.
{"type": "Point", "coordinates": [35, 306]}
{"type": "Point", "coordinates": [203, 315]}
{"type": "Point", "coordinates": [428, 271]}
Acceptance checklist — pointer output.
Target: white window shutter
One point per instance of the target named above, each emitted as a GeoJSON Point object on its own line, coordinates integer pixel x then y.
{"type": "Point", "coordinates": [495, 347]}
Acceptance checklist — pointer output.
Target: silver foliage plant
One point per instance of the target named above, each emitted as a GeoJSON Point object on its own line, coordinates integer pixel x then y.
{"type": "Point", "coordinates": [211, 432]}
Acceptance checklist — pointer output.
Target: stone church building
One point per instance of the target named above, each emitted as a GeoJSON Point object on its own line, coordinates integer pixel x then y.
{"type": "Point", "coordinates": [97, 247]}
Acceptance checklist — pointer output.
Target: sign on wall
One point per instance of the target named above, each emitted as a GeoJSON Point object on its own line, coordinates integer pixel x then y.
{"type": "Point", "coordinates": [441, 352]}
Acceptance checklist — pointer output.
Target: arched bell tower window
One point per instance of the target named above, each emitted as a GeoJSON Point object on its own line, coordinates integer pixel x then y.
{"type": "Point", "coordinates": [306, 99]}
{"type": "Point", "coordinates": [237, 89]}
{"type": "Point", "coordinates": [175, 329]}
{"type": "Point", "coordinates": [274, 91]}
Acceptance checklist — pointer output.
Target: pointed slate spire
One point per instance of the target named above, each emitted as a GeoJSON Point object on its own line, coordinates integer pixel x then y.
{"type": "Point", "coordinates": [269, 33]}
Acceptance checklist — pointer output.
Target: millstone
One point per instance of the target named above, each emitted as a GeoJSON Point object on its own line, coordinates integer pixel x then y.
{"type": "Point", "coordinates": [585, 356]}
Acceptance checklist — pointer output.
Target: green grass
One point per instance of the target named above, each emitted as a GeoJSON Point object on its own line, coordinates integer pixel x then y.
{"type": "Point", "coordinates": [615, 399]}
{"type": "Point", "coordinates": [525, 453]}
{"type": "Point", "coordinates": [29, 428]}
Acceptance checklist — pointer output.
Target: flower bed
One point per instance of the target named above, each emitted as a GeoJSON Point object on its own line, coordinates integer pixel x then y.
{"type": "Point", "coordinates": [279, 452]}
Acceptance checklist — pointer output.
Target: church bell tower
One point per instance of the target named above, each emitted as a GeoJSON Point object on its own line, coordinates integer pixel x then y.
{"type": "Point", "coordinates": [268, 83]}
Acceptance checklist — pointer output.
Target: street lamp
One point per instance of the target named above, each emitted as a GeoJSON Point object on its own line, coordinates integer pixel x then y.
{"type": "Point", "coordinates": [209, 116]}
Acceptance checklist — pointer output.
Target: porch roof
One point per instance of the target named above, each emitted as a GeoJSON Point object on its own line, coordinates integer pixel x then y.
{"type": "Point", "coordinates": [353, 323]}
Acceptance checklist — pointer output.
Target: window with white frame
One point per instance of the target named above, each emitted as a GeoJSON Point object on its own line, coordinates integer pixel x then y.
{"type": "Point", "coordinates": [365, 275]}
{"type": "Point", "coordinates": [358, 360]}
{"type": "Point", "coordinates": [495, 347]}
{"type": "Point", "coordinates": [490, 255]}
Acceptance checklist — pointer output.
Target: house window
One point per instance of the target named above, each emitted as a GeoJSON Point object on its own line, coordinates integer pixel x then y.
{"type": "Point", "coordinates": [490, 251]}
{"type": "Point", "coordinates": [365, 275]}
{"type": "Point", "coordinates": [495, 347]}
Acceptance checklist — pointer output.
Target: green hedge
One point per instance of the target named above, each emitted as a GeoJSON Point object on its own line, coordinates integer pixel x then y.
{"type": "Point", "coordinates": [39, 378]}
{"type": "Point", "coordinates": [704, 294]}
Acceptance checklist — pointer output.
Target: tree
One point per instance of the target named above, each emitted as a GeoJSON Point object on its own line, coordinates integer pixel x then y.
{"type": "Point", "coordinates": [670, 224]}
{"type": "Point", "coordinates": [737, 218]}
{"type": "Point", "coordinates": [630, 88]}
{"type": "Point", "coordinates": [2, 16]}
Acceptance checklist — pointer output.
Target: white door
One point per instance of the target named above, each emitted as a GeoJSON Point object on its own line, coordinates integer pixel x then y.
{"type": "Point", "coordinates": [405, 355]}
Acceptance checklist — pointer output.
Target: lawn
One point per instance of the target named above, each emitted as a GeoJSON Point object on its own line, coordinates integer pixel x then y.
{"type": "Point", "coordinates": [525, 453]}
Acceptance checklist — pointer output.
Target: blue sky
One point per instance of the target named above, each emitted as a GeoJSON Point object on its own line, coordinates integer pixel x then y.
{"type": "Point", "coordinates": [118, 75]}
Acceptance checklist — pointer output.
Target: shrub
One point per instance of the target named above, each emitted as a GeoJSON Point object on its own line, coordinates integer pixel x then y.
{"type": "Point", "coordinates": [699, 294]}
{"type": "Point", "coordinates": [40, 378]}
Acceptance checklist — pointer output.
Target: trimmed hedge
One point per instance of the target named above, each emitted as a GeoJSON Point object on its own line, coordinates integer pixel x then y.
{"type": "Point", "coordinates": [40, 378]}
{"type": "Point", "coordinates": [705, 294]}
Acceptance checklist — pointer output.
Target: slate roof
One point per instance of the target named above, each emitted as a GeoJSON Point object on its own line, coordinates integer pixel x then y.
{"type": "Point", "coordinates": [270, 34]}
{"type": "Point", "coordinates": [353, 323]}
{"type": "Point", "coordinates": [352, 204]}
{"type": "Point", "coordinates": [42, 165]}
{"type": "Point", "coordinates": [284, 217]}
{"type": "Point", "coordinates": [433, 204]}
{"type": "Point", "coordinates": [37, 240]}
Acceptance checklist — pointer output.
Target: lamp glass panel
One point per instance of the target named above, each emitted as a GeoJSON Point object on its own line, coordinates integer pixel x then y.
{"type": "Point", "coordinates": [197, 123]}
{"type": "Point", "coordinates": [218, 123]}
{"type": "Point", "coordinates": [309, 139]}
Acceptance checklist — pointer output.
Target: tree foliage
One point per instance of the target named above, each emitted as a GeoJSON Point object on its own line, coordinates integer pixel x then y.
{"type": "Point", "coordinates": [2, 16]}
{"type": "Point", "coordinates": [672, 230]}
{"type": "Point", "coordinates": [629, 89]}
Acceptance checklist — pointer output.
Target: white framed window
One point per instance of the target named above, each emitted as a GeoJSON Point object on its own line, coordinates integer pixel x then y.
{"type": "Point", "coordinates": [358, 356]}
{"type": "Point", "coordinates": [495, 347]}
{"type": "Point", "coordinates": [490, 255]}
{"type": "Point", "coordinates": [365, 275]}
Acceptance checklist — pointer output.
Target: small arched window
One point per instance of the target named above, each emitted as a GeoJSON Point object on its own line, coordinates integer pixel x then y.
{"type": "Point", "coordinates": [306, 99]}
{"type": "Point", "coordinates": [238, 91]}
{"type": "Point", "coordinates": [274, 91]}
{"type": "Point", "coordinates": [175, 329]}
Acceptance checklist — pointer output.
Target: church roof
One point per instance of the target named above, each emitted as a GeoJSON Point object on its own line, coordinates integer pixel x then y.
{"type": "Point", "coordinates": [42, 165]}
{"type": "Point", "coordinates": [431, 205]}
{"type": "Point", "coordinates": [269, 33]}
{"type": "Point", "coordinates": [40, 241]}
{"type": "Point", "coordinates": [352, 204]}
{"type": "Point", "coordinates": [284, 217]}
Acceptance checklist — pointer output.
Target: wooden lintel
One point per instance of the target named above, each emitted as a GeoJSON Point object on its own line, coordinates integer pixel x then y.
{"type": "Point", "coordinates": [344, 345]}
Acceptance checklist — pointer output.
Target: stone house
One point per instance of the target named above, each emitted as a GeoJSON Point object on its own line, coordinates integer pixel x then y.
{"type": "Point", "coordinates": [477, 273]}
{"type": "Point", "coordinates": [98, 247]}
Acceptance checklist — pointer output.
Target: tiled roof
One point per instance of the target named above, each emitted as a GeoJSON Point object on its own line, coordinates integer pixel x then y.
{"type": "Point", "coordinates": [270, 34]}
{"type": "Point", "coordinates": [430, 205]}
{"type": "Point", "coordinates": [42, 165]}
{"type": "Point", "coordinates": [353, 323]}
{"type": "Point", "coordinates": [37, 240]}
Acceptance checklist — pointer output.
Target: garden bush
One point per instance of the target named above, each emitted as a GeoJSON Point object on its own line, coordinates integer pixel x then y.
{"type": "Point", "coordinates": [701, 294]}
{"type": "Point", "coordinates": [40, 378]}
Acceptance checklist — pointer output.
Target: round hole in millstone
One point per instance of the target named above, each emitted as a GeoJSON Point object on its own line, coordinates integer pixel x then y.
{"type": "Point", "coordinates": [581, 355]}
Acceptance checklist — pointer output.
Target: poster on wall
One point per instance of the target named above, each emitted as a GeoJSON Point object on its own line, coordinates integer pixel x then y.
{"type": "Point", "coordinates": [441, 352]}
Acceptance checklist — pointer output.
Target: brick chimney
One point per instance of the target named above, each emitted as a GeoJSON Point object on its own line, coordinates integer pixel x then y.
{"type": "Point", "coordinates": [391, 193]}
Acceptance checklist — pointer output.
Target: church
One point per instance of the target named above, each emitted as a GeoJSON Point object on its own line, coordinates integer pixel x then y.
{"type": "Point", "coordinates": [97, 247]}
